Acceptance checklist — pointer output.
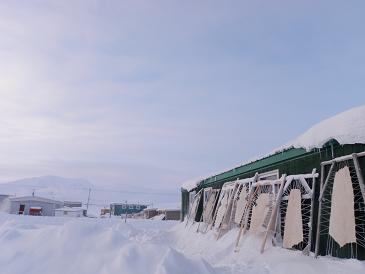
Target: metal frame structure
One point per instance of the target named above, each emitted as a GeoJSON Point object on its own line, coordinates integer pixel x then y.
{"type": "Point", "coordinates": [324, 213]}
{"type": "Point", "coordinates": [208, 212]}
{"type": "Point", "coordinates": [306, 183]}
{"type": "Point", "coordinates": [272, 187]}
{"type": "Point", "coordinates": [194, 207]}
{"type": "Point", "coordinates": [228, 191]}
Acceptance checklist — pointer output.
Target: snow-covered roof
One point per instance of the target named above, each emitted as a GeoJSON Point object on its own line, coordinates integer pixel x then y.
{"type": "Point", "coordinates": [34, 198]}
{"type": "Point", "coordinates": [191, 184]}
{"type": "Point", "coordinates": [346, 128]}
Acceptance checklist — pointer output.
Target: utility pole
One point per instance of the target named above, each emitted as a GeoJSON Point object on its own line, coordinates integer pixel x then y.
{"type": "Point", "coordinates": [88, 200]}
{"type": "Point", "coordinates": [126, 211]}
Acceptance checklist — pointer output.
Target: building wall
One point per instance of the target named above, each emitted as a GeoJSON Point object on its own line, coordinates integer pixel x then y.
{"type": "Point", "coordinates": [47, 208]}
{"type": "Point", "coordinates": [121, 209]}
{"type": "Point", "coordinates": [72, 204]}
{"type": "Point", "coordinates": [149, 213]}
{"type": "Point", "coordinates": [301, 164]}
{"type": "Point", "coordinates": [61, 213]}
{"type": "Point", "coordinates": [172, 215]}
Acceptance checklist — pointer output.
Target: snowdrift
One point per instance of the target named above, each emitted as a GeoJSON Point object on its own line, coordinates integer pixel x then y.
{"type": "Point", "coordinates": [44, 245]}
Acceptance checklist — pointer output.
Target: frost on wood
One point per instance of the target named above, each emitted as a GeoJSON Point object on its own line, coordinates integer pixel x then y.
{"type": "Point", "coordinates": [259, 212]}
{"type": "Point", "coordinates": [342, 220]}
{"type": "Point", "coordinates": [293, 231]}
{"type": "Point", "coordinates": [223, 204]}
{"type": "Point", "coordinates": [221, 209]}
{"type": "Point", "coordinates": [241, 205]}
{"type": "Point", "coordinates": [209, 206]}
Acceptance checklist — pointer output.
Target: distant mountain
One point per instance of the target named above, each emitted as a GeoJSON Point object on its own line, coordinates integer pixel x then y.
{"type": "Point", "coordinates": [50, 187]}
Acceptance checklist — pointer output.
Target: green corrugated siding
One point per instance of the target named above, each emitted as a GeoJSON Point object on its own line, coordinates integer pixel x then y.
{"type": "Point", "coordinates": [240, 172]}
{"type": "Point", "coordinates": [294, 161]}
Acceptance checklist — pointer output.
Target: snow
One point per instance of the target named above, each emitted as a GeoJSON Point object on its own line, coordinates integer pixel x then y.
{"type": "Point", "coordinates": [34, 198]}
{"type": "Point", "coordinates": [347, 128]}
{"type": "Point", "coordinates": [43, 245]}
{"type": "Point", "coordinates": [191, 184]}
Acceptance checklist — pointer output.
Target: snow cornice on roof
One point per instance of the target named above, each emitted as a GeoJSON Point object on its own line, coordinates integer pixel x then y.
{"type": "Point", "coordinates": [35, 198]}
{"type": "Point", "coordinates": [346, 128]}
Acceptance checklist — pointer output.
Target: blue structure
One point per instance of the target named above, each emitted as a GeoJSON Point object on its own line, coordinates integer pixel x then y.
{"type": "Point", "coordinates": [118, 209]}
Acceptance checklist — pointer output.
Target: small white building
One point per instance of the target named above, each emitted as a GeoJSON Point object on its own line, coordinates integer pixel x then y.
{"type": "Point", "coordinates": [70, 212]}
{"type": "Point", "coordinates": [72, 204]}
{"type": "Point", "coordinates": [34, 205]}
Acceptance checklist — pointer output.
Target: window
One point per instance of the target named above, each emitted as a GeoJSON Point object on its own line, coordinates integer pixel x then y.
{"type": "Point", "coordinates": [21, 209]}
{"type": "Point", "coordinates": [270, 175]}
{"type": "Point", "coordinates": [207, 193]}
{"type": "Point", "coordinates": [130, 206]}
{"type": "Point", "coordinates": [124, 206]}
{"type": "Point", "coordinates": [138, 207]}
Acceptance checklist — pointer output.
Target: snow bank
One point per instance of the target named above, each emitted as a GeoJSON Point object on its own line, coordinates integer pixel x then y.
{"type": "Point", "coordinates": [44, 245]}
{"type": "Point", "coordinates": [249, 260]}
{"type": "Point", "coordinates": [56, 245]}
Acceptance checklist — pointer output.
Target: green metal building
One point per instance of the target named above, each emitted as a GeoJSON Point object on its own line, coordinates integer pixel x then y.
{"type": "Point", "coordinates": [290, 162]}
{"type": "Point", "coordinates": [341, 135]}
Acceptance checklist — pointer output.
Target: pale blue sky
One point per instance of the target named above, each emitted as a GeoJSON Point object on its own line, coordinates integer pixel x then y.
{"type": "Point", "coordinates": [151, 93]}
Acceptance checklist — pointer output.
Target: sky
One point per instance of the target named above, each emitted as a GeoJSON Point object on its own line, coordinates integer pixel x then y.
{"type": "Point", "coordinates": [147, 94]}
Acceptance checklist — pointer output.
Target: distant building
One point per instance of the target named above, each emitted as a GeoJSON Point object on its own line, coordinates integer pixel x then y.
{"type": "Point", "coordinates": [72, 204]}
{"type": "Point", "coordinates": [118, 209]}
{"type": "Point", "coordinates": [148, 213]}
{"type": "Point", "coordinates": [70, 212]}
{"type": "Point", "coordinates": [170, 214]}
{"type": "Point", "coordinates": [3, 198]}
{"type": "Point", "coordinates": [4, 203]}
{"type": "Point", "coordinates": [104, 212]}
{"type": "Point", "coordinates": [34, 205]}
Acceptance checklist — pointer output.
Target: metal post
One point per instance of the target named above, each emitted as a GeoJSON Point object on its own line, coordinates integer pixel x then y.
{"type": "Point", "coordinates": [326, 182]}
{"type": "Point", "coordinates": [359, 175]}
{"type": "Point", "coordinates": [306, 250]}
{"type": "Point", "coordinates": [316, 251]}
{"type": "Point", "coordinates": [88, 200]}
{"type": "Point", "coordinates": [126, 211]}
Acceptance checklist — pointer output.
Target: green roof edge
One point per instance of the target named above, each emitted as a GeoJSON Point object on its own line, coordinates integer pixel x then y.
{"type": "Point", "coordinates": [254, 166]}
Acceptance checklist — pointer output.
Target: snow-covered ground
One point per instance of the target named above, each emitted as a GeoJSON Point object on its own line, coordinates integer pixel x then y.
{"type": "Point", "coordinates": [52, 245]}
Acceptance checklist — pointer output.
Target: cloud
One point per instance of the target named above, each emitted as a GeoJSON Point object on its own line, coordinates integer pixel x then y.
{"type": "Point", "coordinates": [141, 92]}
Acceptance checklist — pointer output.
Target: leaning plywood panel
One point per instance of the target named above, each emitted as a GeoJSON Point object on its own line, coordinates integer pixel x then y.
{"type": "Point", "coordinates": [221, 209]}
{"type": "Point", "coordinates": [194, 208]}
{"type": "Point", "coordinates": [208, 208]}
{"type": "Point", "coordinates": [293, 230]}
{"type": "Point", "coordinates": [240, 205]}
{"type": "Point", "coordinates": [342, 220]}
{"type": "Point", "coordinates": [259, 212]}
